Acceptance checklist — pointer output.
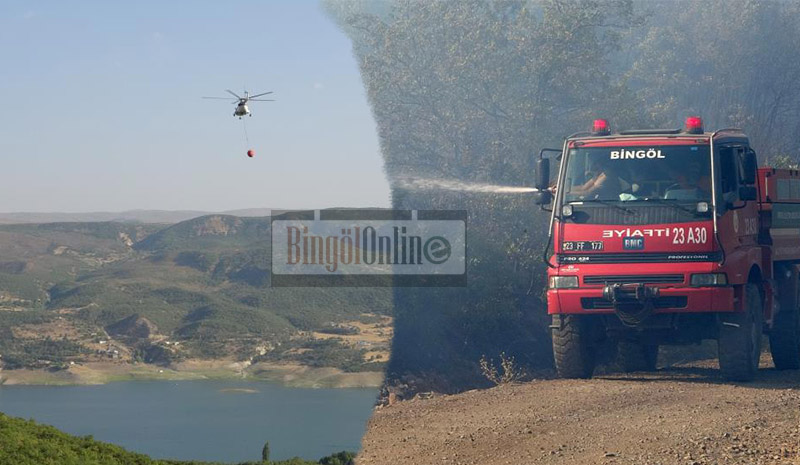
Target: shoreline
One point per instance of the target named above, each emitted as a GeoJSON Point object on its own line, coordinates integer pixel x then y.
{"type": "Point", "coordinates": [287, 375]}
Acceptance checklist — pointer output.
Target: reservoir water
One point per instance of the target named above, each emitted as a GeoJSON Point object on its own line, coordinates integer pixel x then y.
{"type": "Point", "coordinates": [226, 421]}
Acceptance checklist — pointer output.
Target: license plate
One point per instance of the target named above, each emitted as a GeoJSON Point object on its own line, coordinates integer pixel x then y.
{"type": "Point", "coordinates": [579, 246]}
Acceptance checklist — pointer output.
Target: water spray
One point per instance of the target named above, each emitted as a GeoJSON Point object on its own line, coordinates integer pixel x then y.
{"type": "Point", "coordinates": [460, 186]}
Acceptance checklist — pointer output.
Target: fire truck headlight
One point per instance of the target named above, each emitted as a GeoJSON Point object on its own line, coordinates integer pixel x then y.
{"type": "Point", "coordinates": [563, 282]}
{"type": "Point", "coordinates": [709, 279]}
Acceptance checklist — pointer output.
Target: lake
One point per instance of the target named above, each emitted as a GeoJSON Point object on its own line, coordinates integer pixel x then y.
{"type": "Point", "coordinates": [202, 420]}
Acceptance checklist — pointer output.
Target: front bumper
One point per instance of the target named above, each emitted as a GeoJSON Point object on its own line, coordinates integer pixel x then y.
{"type": "Point", "coordinates": [669, 300]}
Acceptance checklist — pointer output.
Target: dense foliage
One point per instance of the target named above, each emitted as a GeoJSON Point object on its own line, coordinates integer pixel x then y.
{"type": "Point", "coordinates": [468, 91]}
{"type": "Point", "coordinates": [41, 353]}
{"type": "Point", "coordinates": [322, 353]}
{"type": "Point", "coordinates": [24, 442]}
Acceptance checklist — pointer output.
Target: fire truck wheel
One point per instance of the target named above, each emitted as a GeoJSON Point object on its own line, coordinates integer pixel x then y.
{"type": "Point", "coordinates": [739, 340]}
{"type": "Point", "coordinates": [784, 340]}
{"type": "Point", "coordinates": [573, 346]}
{"type": "Point", "coordinates": [634, 356]}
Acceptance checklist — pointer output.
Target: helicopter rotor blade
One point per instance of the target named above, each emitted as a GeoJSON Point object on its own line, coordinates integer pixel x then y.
{"type": "Point", "coordinates": [218, 98]}
{"type": "Point", "coordinates": [259, 95]}
{"type": "Point", "coordinates": [261, 100]}
{"type": "Point", "coordinates": [232, 93]}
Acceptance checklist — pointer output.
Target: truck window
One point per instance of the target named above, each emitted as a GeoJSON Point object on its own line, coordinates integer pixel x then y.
{"type": "Point", "coordinates": [729, 177]}
{"type": "Point", "coordinates": [638, 173]}
{"type": "Point", "coordinates": [740, 154]}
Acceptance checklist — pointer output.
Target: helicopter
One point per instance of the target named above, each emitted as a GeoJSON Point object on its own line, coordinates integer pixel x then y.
{"type": "Point", "coordinates": [241, 102]}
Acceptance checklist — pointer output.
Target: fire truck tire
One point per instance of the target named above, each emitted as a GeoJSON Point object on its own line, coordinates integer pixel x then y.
{"type": "Point", "coordinates": [573, 347]}
{"type": "Point", "coordinates": [634, 356]}
{"type": "Point", "coordinates": [784, 340]}
{"type": "Point", "coordinates": [739, 340]}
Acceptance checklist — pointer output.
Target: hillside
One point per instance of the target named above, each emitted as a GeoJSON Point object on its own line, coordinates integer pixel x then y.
{"type": "Point", "coordinates": [24, 442]}
{"type": "Point", "coordinates": [75, 293]}
{"type": "Point", "coordinates": [678, 415]}
{"type": "Point", "coordinates": [137, 216]}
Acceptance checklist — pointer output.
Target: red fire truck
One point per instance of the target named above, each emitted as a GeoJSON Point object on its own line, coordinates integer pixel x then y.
{"type": "Point", "coordinates": [670, 237]}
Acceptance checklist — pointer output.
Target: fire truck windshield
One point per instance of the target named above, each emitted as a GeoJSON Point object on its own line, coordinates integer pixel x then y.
{"type": "Point", "coordinates": [659, 172]}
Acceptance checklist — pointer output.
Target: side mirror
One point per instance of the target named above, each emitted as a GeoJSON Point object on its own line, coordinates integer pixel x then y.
{"type": "Point", "coordinates": [542, 173]}
{"type": "Point", "coordinates": [750, 166]}
{"type": "Point", "coordinates": [747, 193]}
{"type": "Point", "coordinates": [542, 197]}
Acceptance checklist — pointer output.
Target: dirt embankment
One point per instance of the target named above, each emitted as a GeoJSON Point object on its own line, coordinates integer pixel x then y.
{"type": "Point", "coordinates": [681, 415]}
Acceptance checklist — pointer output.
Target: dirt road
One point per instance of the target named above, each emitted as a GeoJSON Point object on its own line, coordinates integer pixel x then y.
{"type": "Point", "coordinates": [681, 415]}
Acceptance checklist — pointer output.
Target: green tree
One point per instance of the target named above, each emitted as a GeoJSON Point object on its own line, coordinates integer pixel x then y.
{"type": "Point", "coordinates": [339, 458]}
{"type": "Point", "coordinates": [265, 452]}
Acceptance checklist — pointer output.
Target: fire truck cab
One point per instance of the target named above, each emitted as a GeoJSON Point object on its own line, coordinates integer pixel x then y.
{"type": "Point", "coordinates": [670, 237]}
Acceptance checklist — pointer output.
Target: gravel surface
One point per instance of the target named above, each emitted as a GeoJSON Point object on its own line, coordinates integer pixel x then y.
{"type": "Point", "coordinates": [679, 415]}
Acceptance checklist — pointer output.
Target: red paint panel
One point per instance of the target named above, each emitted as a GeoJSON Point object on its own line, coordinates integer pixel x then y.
{"type": "Point", "coordinates": [673, 237]}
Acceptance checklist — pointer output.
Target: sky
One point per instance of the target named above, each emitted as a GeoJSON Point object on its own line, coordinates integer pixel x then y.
{"type": "Point", "coordinates": [101, 109]}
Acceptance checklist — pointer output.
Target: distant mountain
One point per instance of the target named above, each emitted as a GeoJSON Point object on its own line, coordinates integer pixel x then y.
{"type": "Point", "coordinates": [161, 293]}
{"type": "Point", "coordinates": [208, 231]}
{"type": "Point", "coordinates": [142, 216]}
